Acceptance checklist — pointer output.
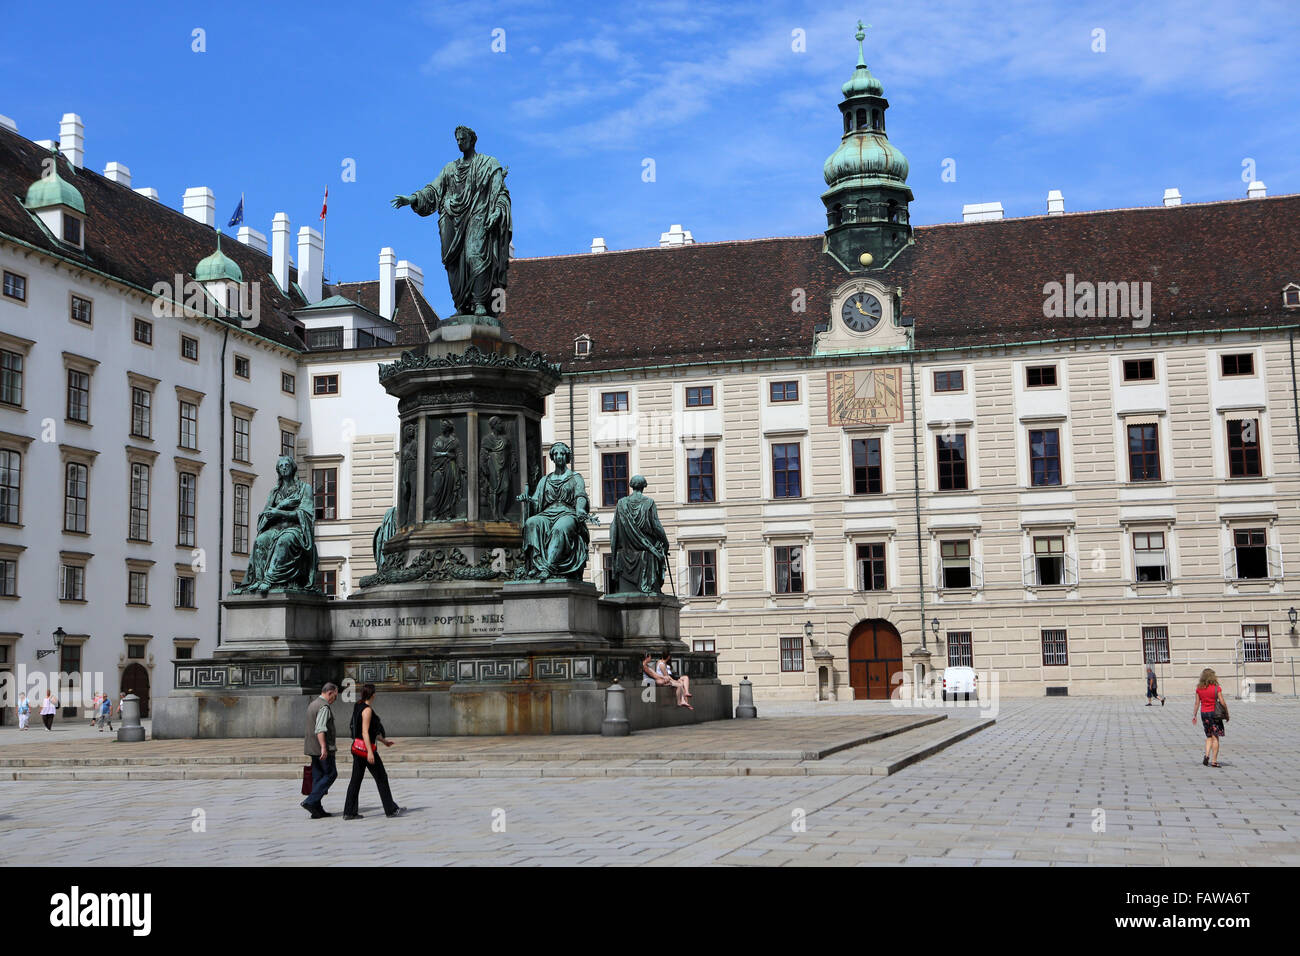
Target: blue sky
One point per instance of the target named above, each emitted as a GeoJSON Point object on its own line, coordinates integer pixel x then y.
{"type": "Point", "coordinates": [737, 121]}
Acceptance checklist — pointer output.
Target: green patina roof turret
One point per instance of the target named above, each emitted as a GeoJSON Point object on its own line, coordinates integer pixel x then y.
{"type": "Point", "coordinates": [862, 82]}
{"type": "Point", "coordinates": [54, 190]}
{"type": "Point", "coordinates": [218, 266]}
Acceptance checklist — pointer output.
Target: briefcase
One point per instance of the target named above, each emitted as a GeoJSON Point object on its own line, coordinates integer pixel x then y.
{"type": "Point", "coordinates": [306, 780]}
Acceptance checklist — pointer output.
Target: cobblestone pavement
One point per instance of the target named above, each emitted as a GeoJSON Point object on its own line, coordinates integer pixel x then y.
{"type": "Point", "coordinates": [1027, 791]}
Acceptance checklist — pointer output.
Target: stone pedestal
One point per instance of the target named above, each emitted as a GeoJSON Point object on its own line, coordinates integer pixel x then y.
{"type": "Point", "coordinates": [277, 624]}
{"type": "Point", "coordinates": [648, 621]}
{"type": "Point", "coordinates": [554, 614]}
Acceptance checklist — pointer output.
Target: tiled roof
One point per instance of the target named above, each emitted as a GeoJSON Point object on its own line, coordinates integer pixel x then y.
{"type": "Point", "coordinates": [1210, 265]}
{"type": "Point", "coordinates": [414, 316]}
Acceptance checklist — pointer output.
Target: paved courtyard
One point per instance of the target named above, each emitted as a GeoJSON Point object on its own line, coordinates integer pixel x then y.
{"type": "Point", "coordinates": [1029, 790]}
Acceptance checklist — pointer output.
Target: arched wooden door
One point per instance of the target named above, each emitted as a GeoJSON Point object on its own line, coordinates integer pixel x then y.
{"type": "Point", "coordinates": [875, 656]}
{"type": "Point", "coordinates": [135, 680]}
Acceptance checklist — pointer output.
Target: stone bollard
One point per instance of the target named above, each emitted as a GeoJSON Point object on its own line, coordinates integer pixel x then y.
{"type": "Point", "coordinates": [746, 706]}
{"type": "Point", "coordinates": [615, 723]}
{"type": "Point", "coordinates": [131, 731]}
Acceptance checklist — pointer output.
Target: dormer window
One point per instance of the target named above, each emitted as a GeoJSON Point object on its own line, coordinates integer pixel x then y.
{"type": "Point", "coordinates": [71, 230]}
{"type": "Point", "coordinates": [1291, 296]}
{"type": "Point", "coordinates": [582, 346]}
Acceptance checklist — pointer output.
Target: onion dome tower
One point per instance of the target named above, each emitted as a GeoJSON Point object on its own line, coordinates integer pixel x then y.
{"type": "Point", "coordinates": [867, 219]}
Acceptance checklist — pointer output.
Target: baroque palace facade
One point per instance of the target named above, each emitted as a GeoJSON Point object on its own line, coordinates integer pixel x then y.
{"type": "Point", "coordinates": [1053, 448]}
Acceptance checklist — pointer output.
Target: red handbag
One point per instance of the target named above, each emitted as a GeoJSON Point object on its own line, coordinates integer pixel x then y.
{"type": "Point", "coordinates": [306, 780]}
{"type": "Point", "coordinates": [359, 747]}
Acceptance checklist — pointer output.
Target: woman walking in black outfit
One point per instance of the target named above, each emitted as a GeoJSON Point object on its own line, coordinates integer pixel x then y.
{"type": "Point", "coordinates": [367, 730]}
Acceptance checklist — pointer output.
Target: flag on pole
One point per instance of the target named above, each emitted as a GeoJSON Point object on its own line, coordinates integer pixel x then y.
{"type": "Point", "coordinates": [325, 203]}
{"type": "Point", "coordinates": [237, 217]}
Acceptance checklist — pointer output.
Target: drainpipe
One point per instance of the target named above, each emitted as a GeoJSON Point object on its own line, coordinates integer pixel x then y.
{"type": "Point", "coordinates": [1295, 399]}
{"type": "Point", "coordinates": [572, 452]}
{"type": "Point", "coordinates": [221, 485]}
{"type": "Point", "coordinates": [916, 498]}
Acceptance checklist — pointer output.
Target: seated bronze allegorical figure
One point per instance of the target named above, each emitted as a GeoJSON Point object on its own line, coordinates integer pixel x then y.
{"type": "Point", "coordinates": [284, 551]}
{"type": "Point", "coordinates": [555, 534]}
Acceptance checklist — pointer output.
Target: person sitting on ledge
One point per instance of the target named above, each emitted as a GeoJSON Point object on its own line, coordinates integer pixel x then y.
{"type": "Point", "coordinates": [664, 670]}
{"type": "Point", "coordinates": [648, 674]}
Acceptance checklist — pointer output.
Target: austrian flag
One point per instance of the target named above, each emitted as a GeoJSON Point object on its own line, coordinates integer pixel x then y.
{"type": "Point", "coordinates": [325, 203]}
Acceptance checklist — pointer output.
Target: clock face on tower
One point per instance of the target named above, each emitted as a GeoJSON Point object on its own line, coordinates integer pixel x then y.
{"type": "Point", "coordinates": [861, 312]}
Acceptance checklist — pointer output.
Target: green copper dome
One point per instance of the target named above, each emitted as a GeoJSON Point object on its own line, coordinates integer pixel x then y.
{"type": "Point", "coordinates": [54, 190]}
{"type": "Point", "coordinates": [218, 266]}
{"type": "Point", "coordinates": [865, 156]}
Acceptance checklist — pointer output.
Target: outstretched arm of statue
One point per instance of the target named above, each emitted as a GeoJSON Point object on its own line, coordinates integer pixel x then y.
{"type": "Point", "coordinates": [400, 201]}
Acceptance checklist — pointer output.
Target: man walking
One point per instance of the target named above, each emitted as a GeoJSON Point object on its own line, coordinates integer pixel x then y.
{"type": "Point", "coordinates": [1153, 692]}
{"type": "Point", "coordinates": [318, 744]}
{"type": "Point", "coordinates": [105, 713]}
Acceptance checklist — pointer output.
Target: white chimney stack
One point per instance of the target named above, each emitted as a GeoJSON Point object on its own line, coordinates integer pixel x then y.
{"type": "Point", "coordinates": [406, 269]}
{"type": "Point", "coordinates": [148, 192]}
{"type": "Point", "coordinates": [252, 238]}
{"type": "Point", "coordinates": [1173, 197]}
{"type": "Point", "coordinates": [676, 236]}
{"type": "Point", "coordinates": [280, 251]}
{"type": "Point", "coordinates": [387, 282]}
{"type": "Point", "coordinates": [311, 263]}
{"type": "Point", "coordinates": [200, 205]}
{"type": "Point", "coordinates": [980, 211]}
{"type": "Point", "coordinates": [118, 173]}
{"type": "Point", "coordinates": [46, 144]}
{"type": "Point", "coordinates": [1055, 203]}
{"type": "Point", "coordinates": [7, 123]}
{"type": "Point", "coordinates": [72, 139]}
{"type": "Point", "coordinates": [1256, 190]}
{"type": "Point", "coordinates": [598, 245]}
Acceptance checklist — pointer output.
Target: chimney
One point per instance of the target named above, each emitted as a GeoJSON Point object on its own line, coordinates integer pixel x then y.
{"type": "Point", "coordinates": [200, 205]}
{"type": "Point", "coordinates": [148, 192]}
{"type": "Point", "coordinates": [1173, 197]}
{"type": "Point", "coordinates": [252, 238]}
{"type": "Point", "coordinates": [980, 211]}
{"type": "Point", "coordinates": [280, 251]}
{"type": "Point", "coordinates": [311, 263]}
{"type": "Point", "coordinates": [118, 173]}
{"type": "Point", "coordinates": [1256, 190]}
{"type": "Point", "coordinates": [406, 269]}
{"type": "Point", "coordinates": [7, 123]}
{"type": "Point", "coordinates": [46, 144]}
{"type": "Point", "coordinates": [675, 236]}
{"type": "Point", "coordinates": [1055, 203]}
{"type": "Point", "coordinates": [387, 282]}
{"type": "Point", "coordinates": [598, 245]}
{"type": "Point", "coordinates": [72, 139]}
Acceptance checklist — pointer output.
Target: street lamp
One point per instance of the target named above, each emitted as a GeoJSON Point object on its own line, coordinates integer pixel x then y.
{"type": "Point", "coordinates": [1291, 616]}
{"type": "Point", "coordinates": [934, 627]}
{"type": "Point", "coordinates": [59, 635]}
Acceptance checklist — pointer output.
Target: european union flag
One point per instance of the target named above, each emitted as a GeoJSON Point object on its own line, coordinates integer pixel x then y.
{"type": "Point", "coordinates": [237, 216]}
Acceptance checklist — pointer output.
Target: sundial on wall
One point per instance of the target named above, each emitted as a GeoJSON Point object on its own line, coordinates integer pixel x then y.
{"type": "Point", "coordinates": [864, 396]}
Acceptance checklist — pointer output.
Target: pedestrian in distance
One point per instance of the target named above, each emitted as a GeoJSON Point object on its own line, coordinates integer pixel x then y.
{"type": "Point", "coordinates": [1153, 692]}
{"type": "Point", "coordinates": [105, 713]}
{"type": "Point", "coordinates": [24, 711]}
{"type": "Point", "coordinates": [319, 744]}
{"type": "Point", "coordinates": [367, 732]}
{"type": "Point", "coordinates": [1213, 711]}
{"type": "Point", "coordinates": [94, 709]}
{"type": "Point", "coordinates": [48, 707]}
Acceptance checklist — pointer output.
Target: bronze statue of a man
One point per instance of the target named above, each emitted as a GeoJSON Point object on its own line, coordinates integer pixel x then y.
{"type": "Point", "coordinates": [473, 207]}
{"type": "Point", "coordinates": [638, 544]}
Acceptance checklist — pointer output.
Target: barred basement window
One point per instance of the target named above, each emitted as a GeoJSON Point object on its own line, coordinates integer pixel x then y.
{"type": "Point", "coordinates": [1155, 645]}
{"type": "Point", "coordinates": [1055, 651]}
{"type": "Point", "coordinates": [792, 653]}
{"type": "Point", "coordinates": [1255, 645]}
{"type": "Point", "coordinates": [960, 653]}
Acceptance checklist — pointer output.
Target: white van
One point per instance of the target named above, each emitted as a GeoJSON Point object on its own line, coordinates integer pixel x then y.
{"type": "Point", "coordinates": [960, 680]}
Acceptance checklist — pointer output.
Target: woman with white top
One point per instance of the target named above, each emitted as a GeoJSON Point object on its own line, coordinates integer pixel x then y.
{"type": "Point", "coordinates": [664, 669]}
{"type": "Point", "coordinates": [48, 707]}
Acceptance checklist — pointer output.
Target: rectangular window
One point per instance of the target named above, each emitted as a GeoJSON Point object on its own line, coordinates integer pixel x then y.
{"type": "Point", "coordinates": [1044, 456]}
{"type": "Point", "coordinates": [871, 567]}
{"type": "Point", "coordinates": [189, 425]}
{"type": "Point", "coordinates": [141, 413]}
{"type": "Point", "coordinates": [135, 652]}
{"type": "Point", "coordinates": [288, 442]}
{"type": "Point", "coordinates": [325, 384]}
{"type": "Point", "coordinates": [1144, 452]}
{"type": "Point", "coordinates": [184, 653]}
{"type": "Point", "coordinates": [1251, 548]}
{"type": "Point", "coordinates": [81, 310]}
{"type": "Point", "coordinates": [953, 380]}
{"type": "Point", "coordinates": [960, 653]}
{"type": "Point", "coordinates": [1243, 448]}
{"type": "Point", "coordinates": [186, 508]}
{"type": "Point", "coordinates": [1139, 370]}
{"type": "Point", "coordinates": [699, 396]}
{"type": "Point", "coordinates": [955, 558]}
{"type": "Point", "coordinates": [75, 491]}
{"type": "Point", "coordinates": [288, 383]}
{"type": "Point", "coordinates": [239, 542]}
{"type": "Point", "coordinates": [72, 583]}
{"type": "Point", "coordinates": [78, 396]}
{"type": "Point", "coordinates": [329, 583]}
{"type": "Point", "coordinates": [184, 591]}
{"type": "Point", "coordinates": [699, 474]}
{"type": "Point", "coordinates": [868, 475]}
{"type": "Point", "coordinates": [71, 230]}
{"type": "Point", "coordinates": [138, 524]}
{"type": "Point", "coordinates": [1040, 376]}
{"type": "Point", "coordinates": [613, 401]}
{"type": "Point", "coordinates": [1255, 646]}
{"type": "Point", "coordinates": [325, 482]}
{"type": "Point", "coordinates": [783, 392]}
{"type": "Point", "coordinates": [325, 339]}
{"type": "Point", "coordinates": [11, 377]}
{"type": "Point", "coordinates": [785, 471]}
{"type": "Point", "coordinates": [15, 286]}
{"type": "Point", "coordinates": [8, 577]}
{"type": "Point", "coordinates": [708, 646]}
{"type": "Point", "coordinates": [951, 459]}
{"type": "Point", "coordinates": [189, 348]}
{"type": "Point", "coordinates": [243, 368]}
{"type": "Point", "coordinates": [789, 569]}
{"type": "Point", "coordinates": [1055, 649]}
{"type": "Point", "coordinates": [1155, 645]}
{"type": "Point", "coordinates": [792, 653]}
{"type": "Point", "coordinates": [1150, 562]}
{"type": "Point", "coordinates": [137, 587]}
{"type": "Point", "coordinates": [1049, 561]}
{"type": "Point", "coordinates": [703, 572]}
{"type": "Point", "coordinates": [242, 442]}
{"type": "Point", "coordinates": [613, 477]}
{"type": "Point", "coordinates": [1242, 363]}
{"type": "Point", "coordinates": [11, 472]}
{"type": "Point", "coordinates": [142, 332]}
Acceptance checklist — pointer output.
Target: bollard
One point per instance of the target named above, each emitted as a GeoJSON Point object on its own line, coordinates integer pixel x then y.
{"type": "Point", "coordinates": [131, 731]}
{"type": "Point", "coordinates": [615, 723]}
{"type": "Point", "coordinates": [746, 706]}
